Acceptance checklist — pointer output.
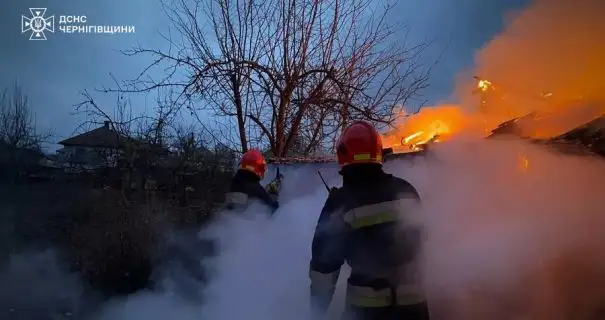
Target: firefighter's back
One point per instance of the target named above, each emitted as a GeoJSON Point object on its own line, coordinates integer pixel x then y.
{"type": "Point", "coordinates": [241, 190]}
{"type": "Point", "coordinates": [383, 244]}
{"type": "Point", "coordinates": [244, 188]}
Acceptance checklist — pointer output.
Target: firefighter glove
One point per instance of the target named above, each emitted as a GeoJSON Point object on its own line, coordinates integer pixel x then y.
{"type": "Point", "coordinates": [273, 187]}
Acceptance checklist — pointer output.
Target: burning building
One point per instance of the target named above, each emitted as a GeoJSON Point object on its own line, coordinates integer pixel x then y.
{"type": "Point", "coordinates": [415, 132]}
{"type": "Point", "coordinates": [535, 80]}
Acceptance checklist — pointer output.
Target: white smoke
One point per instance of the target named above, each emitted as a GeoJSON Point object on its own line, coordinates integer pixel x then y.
{"type": "Point", "coordinates": [35, 285]}
{"type": "Point", "coordinates": [510, 239]}
{"type": "Point", "coordinates": [505, 242]}
{"type": "Point", "coordinates": [261, 271]}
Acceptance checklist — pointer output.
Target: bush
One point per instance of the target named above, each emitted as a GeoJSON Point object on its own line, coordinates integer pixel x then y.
{"type": "Point", "coordinates": [111, 240]}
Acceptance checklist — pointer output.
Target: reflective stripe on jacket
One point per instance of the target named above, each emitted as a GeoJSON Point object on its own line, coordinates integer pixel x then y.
{"type": "Point", "coordinates": [236, 198]}
{"type": "Point", "coordinates": [379, 213]}
{"type": "Point", "coordinates": [363, 296]}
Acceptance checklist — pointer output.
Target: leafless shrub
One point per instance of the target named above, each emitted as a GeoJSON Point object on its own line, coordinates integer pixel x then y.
{"type": "Point", "coordinates": [111, 239]}
{"type": "Point", "coordinates": [17, 123]}
{"type": "Point", "coordinates": [20, 141]}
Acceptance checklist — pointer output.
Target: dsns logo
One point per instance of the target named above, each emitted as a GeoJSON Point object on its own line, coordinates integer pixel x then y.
{"type": "Point", "coordinates": [37, 24]}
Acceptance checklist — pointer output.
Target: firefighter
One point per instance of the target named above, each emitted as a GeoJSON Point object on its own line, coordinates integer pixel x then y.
{"type": "Point", "coordinates": [246, 183]}
{"type": "Point", "coordinates": [364, 223]}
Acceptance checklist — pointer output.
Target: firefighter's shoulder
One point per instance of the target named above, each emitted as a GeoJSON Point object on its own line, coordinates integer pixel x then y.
{"type": "Point", "coordinates": [403, 186]}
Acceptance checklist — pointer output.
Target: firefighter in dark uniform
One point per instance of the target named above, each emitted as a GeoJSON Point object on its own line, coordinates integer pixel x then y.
{"type": "Point", "coordinates": [364, 223]}
{"type": "Point", "coordinates": [246, 186]}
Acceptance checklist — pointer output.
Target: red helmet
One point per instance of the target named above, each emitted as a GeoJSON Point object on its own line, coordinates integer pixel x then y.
{"type": "Point", "coordinates": [253, 161]}
{"type": "Point", "coordinates": [359, 143]}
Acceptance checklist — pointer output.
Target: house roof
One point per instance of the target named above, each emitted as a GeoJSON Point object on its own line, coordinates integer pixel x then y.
{"type": "Point", "coordinates": [387, 153]}
{"type": "Point", "coordinates": [594, 129]}
{"type": "Point", "coordinates": [512, 126]}
{"type": "Point", "coordinates": [560, 120]}
{"type": "Point", "coordinates": [102, 137]}
{"type": "Point", "coordinates": [291, 160]}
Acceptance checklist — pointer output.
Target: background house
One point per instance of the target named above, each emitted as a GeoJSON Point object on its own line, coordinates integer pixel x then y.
{"type": "Point", "coordinates": [93, 149]}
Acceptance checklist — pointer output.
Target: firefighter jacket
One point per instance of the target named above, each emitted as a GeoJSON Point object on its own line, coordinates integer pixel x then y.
{"type": "Point", "coordinates": [246, 186]}
{"type": "Point", "coordinates": [364, 224]}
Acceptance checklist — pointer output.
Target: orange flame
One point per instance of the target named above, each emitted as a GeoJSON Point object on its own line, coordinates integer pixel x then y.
{"type": "Point", "coordinates": [484, 85]}
{"type": "Point", "coordinates": [432, 124]}
{"type": "Point", "coordinates": [523, 163]}
{"type": "Point", "coordinates": [548, 61]}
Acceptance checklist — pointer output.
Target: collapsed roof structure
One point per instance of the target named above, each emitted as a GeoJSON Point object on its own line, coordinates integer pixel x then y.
{"type": "Point", "coordinates": [586, 139]}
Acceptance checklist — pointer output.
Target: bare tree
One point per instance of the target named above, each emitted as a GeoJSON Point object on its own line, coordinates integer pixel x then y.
{"type": "Point", "coordinates": [20, 141]}
{"type": "Point", "coordinates": [124, 121]}
{"type": "Point", "coordinates": [187, 146]}
{"type": "Point", "coordinates": [17, 123]}
{"type": "Point", "coordinates": [286, 69]}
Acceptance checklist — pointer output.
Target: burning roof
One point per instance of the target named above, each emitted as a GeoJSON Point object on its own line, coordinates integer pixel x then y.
{"type": "Point", "coordinates": [586, 138]}
{"type": "Point", "coordinates": [415, 131]}
{"type": "Point", "coordinates": [513, 126]}
{"type": "Point", "coordinates": [387, 153]}
{"type": "Point", "coordinates": [590, 135]}
{"type": "Point", "coordinates": [543, 82]}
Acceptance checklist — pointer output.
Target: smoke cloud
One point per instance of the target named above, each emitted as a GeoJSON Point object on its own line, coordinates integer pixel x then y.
{"type": "Point", "coordinates": [503, 243]}
{"type": "Point", "coordinates": [506, 243]}
{"type": "Point", "coordinates": [548, 57]}
{"type": "Point", "coordinates": [38, 285]}
{"type": "Point", "coordinates": [261, 270]}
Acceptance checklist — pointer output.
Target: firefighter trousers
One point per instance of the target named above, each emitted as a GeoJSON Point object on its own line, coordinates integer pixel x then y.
{"type": "Point", "coordinates": [408, 312]}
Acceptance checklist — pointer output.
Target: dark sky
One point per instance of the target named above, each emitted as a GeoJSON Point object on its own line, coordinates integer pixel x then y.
{"type": "Point", "coordinates": [53, 72]}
